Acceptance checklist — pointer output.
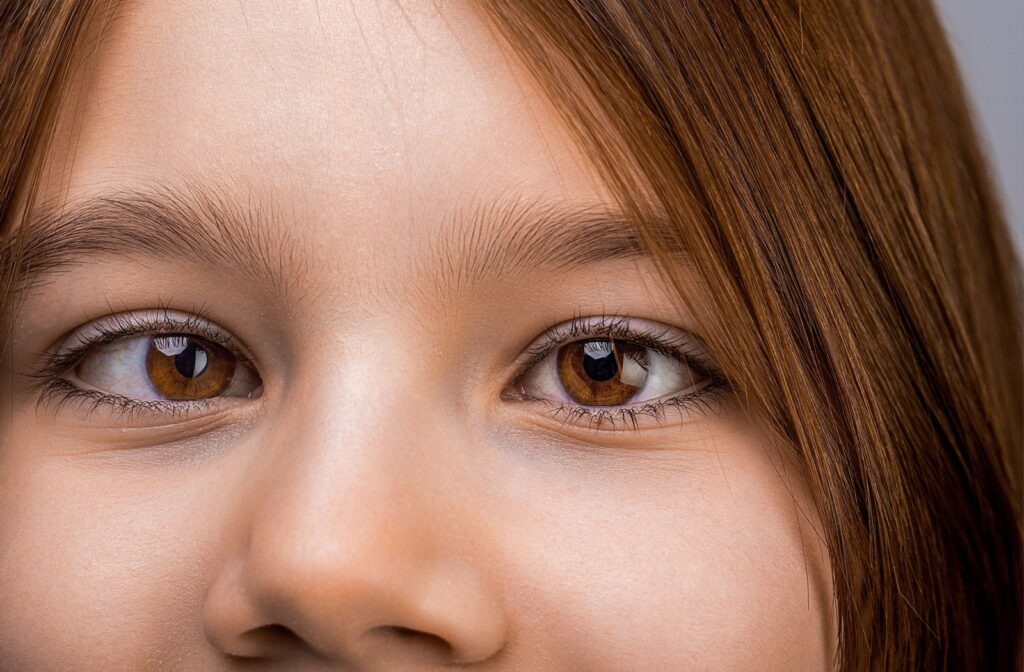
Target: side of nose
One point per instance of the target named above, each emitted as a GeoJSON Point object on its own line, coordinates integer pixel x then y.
{"type": "Point", "coordinates": [352, 561]}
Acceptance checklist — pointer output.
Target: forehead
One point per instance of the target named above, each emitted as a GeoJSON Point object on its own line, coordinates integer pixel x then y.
{"type": "Point", "coordinates": [369, 112]}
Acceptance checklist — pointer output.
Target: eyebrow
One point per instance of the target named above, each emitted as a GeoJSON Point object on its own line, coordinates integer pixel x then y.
{"type": "Point", "coordinates": [508, 237]}
{"type": "Point", "coordinates": [501, 238]}
{"type": "Point", "coordinates": [192, 224]}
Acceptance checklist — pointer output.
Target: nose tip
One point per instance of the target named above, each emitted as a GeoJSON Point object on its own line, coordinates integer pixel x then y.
{"type": "Point", "coordinates": [354, 608]}
{"type": "Point", "coordinates": [358, 545]}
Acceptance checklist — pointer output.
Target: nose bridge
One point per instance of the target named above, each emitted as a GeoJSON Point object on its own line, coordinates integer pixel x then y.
{"type": "Point", "coordinates": [357, 455]}
{"type": "Point", "coordinates": [350, 542]}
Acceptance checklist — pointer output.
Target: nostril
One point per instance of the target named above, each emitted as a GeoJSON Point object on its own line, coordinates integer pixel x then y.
{"type": "Point", "coordinates": [268, 641]}
{"type": "Point", "coordinates": [426, 643]}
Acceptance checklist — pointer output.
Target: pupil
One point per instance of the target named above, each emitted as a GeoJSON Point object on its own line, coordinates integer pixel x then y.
{"type": "Point", "coordinates": [599, 360]}
{"type": "Point", "coordinates": [191, 361]}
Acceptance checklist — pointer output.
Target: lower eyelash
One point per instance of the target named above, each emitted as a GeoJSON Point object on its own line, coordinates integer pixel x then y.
{"type": "Point", "coordinates": [707, 400]}
{"type": "Point", "coordinates": [59, 393]}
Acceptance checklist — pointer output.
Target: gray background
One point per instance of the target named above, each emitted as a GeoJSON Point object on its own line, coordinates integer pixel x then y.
{"type": "Point", "coordinates": [988, 38]}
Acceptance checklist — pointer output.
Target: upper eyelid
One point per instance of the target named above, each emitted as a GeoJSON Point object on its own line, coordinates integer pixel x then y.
{"type": "Point", "coordinates": [111, 328]}
{"type": "Point", "coordinates": [669, 341]}
{"type": "Point", "coordinates": [120, 325]}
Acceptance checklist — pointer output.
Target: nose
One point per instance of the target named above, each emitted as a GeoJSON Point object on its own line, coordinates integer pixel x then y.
{"type": "Point", "coordinates": [350, 553]}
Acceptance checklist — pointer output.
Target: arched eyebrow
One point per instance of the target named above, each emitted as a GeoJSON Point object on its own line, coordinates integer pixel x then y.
{"type": "Point", "coordinates": [508, 237]}
{"type": "Point", "coordinates": [495, 239]}
{"type": "Point", "coordinates": [193, 224]}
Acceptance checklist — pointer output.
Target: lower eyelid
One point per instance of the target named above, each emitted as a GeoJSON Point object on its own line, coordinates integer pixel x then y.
{"type": "Point", "coordinates": [63, 390]}
{"type": "Point", "coordinates": [690, 406]}
{"type": "Point", "coordinates": [62, 395]}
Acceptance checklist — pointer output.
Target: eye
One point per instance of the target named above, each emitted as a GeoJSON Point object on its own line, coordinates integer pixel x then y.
{"type": "Point", "coordinates": [158, 362]}
{"type": "Point", "coordinates": [608, 372]}
{"type": "Point", "coordinates": [613, 372]}
{"type": "Point", "coordinates": [175, 367]}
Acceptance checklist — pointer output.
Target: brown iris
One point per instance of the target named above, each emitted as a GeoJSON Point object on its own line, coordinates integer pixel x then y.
{"type": "Point", "coordinates": [185, 367]}
{"type": "Point", "coordinates": [602, 372]}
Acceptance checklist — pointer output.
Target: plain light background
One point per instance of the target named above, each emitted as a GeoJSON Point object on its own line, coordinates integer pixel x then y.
{"type": "Point", "coordinates": [988, 38]}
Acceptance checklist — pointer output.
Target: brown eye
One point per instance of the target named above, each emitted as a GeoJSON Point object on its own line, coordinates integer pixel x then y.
{"type": "Point", "coordinates": [183, 367]}
{"type": "Point", "coordinates": [602, 372]}
{"type": "Point", "coordinates": [620, 371]}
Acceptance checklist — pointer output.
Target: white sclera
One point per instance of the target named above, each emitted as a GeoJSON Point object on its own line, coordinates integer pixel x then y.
{"type": "Point", "coordinates": [662, 376]}
{"type": "Point", "coordinates": [120, 368]}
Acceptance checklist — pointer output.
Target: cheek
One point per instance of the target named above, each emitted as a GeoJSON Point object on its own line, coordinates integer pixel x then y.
{"type": "Point", "coordinates": [106, 575]}
{"type": "Point", "coordinates": [694, 559]}
{"type": "Point", "coordinates": [699, 563]}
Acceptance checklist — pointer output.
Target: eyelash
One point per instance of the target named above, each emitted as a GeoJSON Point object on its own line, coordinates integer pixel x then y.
{"type": "Point", "coordinates": [58, 391]}
{"type": "Point", "coordinates": [705, 400]}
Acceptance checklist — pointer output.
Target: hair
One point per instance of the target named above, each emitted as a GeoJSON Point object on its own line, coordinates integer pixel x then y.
{"type": "Point", "coordinates": [821, 163]}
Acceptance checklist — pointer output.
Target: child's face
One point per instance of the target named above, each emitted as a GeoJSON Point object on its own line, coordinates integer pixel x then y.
{"type": "Point", "coordinates": [382, 487]}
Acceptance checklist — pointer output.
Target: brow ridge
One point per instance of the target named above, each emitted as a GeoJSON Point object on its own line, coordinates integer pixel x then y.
{"type": "Point", "coordinates": [499, 238]}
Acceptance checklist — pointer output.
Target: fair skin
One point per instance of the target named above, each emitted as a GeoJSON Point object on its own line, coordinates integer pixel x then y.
{"type": "Point", "coordinates": [382, 488]}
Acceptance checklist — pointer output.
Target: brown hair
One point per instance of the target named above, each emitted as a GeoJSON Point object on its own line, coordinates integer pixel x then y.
{"type": "Point", "coordinates": [822, 166]}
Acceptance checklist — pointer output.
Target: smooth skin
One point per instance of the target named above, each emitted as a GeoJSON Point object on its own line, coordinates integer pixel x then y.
{"type": "Point", "coordinates": [382, 504]}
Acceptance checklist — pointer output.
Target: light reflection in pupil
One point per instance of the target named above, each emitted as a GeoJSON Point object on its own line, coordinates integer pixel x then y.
{"type": "Point", "coordinates": [599, 360]}
{"type": "Point", "coordinates": [192, 361]}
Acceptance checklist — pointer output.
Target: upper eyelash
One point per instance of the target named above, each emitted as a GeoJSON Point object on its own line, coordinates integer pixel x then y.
{"type": "Point", "coordinates": [615, 327]}
{"type": "Point", "coordinates": [621, 327]}
{"type": "Point", "coordinates": [127, 325]}
{"type": "Point", "coordinates": [608, 326]}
